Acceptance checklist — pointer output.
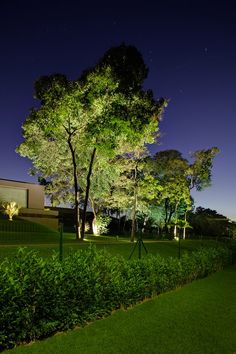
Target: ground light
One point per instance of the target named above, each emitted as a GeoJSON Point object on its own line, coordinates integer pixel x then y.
{"type": "Point", "coordinates": [178, 239]}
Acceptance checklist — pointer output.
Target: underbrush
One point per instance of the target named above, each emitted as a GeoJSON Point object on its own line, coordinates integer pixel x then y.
{"type": "Point", "coordinates": [41, 296]}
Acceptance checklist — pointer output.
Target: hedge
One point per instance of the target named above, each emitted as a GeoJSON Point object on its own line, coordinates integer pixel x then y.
{"type": "Point", "coordinates": [39, 297]}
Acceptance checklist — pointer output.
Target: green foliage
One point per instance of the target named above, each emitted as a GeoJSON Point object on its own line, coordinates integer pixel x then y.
{"type": "Point", "coordinates": [20, 226]}
{"type": "Point", "coordinates": [11, 209]}
{"type": "Point", "coordinates": [209, 223]}
{"type": "Point", "coordinates": [171, 169]}
{"type": "Point", "coordinates": [177, 177]}
{"type": "Point", "coordinates": [135, 183]}
{"type": "Point", "coordinates": [39, 297]}
{"type": "Point", "coordinates": [165, 323]}
{"type": "Point", "coordinates": [102, 115]}
{"type": "Point", "coordinates": [200, 171]}
{"type": "Point", "coordinates": [128, 66]}
{"type": "Point", "coordinates": [100, 224]}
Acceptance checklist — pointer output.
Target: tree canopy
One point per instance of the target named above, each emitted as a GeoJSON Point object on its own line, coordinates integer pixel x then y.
{"type": "Point", "coordinates": [87, 140]}
{"type": "Point", "coordinates": [98, 116]}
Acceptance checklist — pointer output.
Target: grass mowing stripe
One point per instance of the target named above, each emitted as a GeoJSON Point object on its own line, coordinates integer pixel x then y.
{"type": "Point", "coordinates": [199, 318]}
{"type": "Point", "coordinates": [119, 247]}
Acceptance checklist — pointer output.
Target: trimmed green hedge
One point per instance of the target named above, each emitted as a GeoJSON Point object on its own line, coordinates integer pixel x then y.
{"type": "Point", "coordinates": [41, 296]}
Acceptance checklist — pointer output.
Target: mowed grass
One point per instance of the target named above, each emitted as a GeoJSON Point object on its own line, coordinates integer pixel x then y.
{"type": "Point", "coordinates": [198, 318]}
{"type": "Point", "coordinates": [48, 243]}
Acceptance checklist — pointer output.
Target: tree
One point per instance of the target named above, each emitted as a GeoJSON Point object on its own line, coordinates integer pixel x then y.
{"type": "Point", "coordinates": [105, 172]}
{"type": "Point", "coordinates": [176, 192]}
{"type": "Point", "coordinates": [200, 171]}
{"type": "Point", "coordinates": [134, 117]}
{"type": "Point", "coordinates": [135, 188]}
{"type": "Point", "coordinates": [127, 65]}
{"type": "Point", "coordinates": [178, 177]}
{"type": "Point", "coordinates": [209, 223]}
{"type": "Point", "coordinates": [100, 114]}
{"type": "Point", "coordinates": [71, 126]}
{"type": "Point", "coordinates": [51, 134]}
{"type": "Point", "coordinates": [170, 169]}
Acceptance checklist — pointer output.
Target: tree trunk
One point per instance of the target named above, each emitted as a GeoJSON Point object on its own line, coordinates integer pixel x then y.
{"type": "Point", "coordinates": [184, 228]}
{"type": "Point", "coordinates": [119, 221]}
{"type": "Point", "coordinates": [87, 192]}
{"type": "Point", "coordinates": [94, 226]}
{"type": "Point", "coordinates": [134, 208]}
{"type": "Point", "coordinates": [166, 216]}
{"type": "Point", "coordinates": [144, 224]}
{"type": "Point", "coordinates": [133, 229]}
{"type": "Point", "coordinates": [175, 226]}
{"type": "Point", "coordinates": [175, 232]}
{"type": "Point", "coordinates": [77, 216]}
{"type": "Point", "coordinates": [76, 192]}
{"type": "Point", "coordinates": [124, 224]}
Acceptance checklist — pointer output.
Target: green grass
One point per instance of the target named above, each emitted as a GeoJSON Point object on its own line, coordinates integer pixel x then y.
{"type": "Point", "coordinates": [21, 226]}
{"type": "Point", "coordinates": [196, 319]}
{"type": "Point", "coordinates": [199, 318]}
{"type": "Point", "coordinates": [47, 243]}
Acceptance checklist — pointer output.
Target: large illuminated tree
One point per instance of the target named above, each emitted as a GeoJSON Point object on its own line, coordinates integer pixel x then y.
{"type": "Point", "coordinates": [62, 136]}
{"type": "Point", "coordinates": [100, 115]}
{"type": "Point", "coordinates": [133, 120]}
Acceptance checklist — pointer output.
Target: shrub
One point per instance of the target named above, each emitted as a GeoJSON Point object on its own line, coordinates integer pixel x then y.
{"type": "Point", "coordinates": [39, 297]}
{"type": "Point", "coordinates": [100, 224]}
{"type": "Point", "coordinates": [11, 209]}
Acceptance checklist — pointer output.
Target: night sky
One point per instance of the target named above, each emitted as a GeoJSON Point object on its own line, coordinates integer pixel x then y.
{"type": "Point", "coordinates": [189, 47]}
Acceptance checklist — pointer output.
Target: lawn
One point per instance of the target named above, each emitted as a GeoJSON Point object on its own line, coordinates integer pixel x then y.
{"type": "Point", "coordinates": [193, 319]}
{"type": "Point", "coordinates": [47, 243]}
{"type": "Point", "coordinates": [198, 318]}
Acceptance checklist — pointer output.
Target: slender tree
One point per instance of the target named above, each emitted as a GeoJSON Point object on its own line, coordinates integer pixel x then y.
{"type": "Point", "coordinates": [135, 187]}
{"type": "Point", "coordinates": [178, 177]}
{"type": "Point", "coordinates": [170, 169]}
{"type": "Point", "coordinates": [200, 171]}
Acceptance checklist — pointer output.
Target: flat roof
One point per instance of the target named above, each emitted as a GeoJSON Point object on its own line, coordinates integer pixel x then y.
{"type": "Point", "coordinates": [13, 180]}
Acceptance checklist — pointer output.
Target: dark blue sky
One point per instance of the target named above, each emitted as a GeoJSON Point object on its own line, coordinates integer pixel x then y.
{"type": "Point", "coordinates": [189, 47]}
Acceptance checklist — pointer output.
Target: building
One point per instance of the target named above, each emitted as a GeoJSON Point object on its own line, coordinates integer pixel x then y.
{"type": "Point", "coordinates": [30, 197]}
